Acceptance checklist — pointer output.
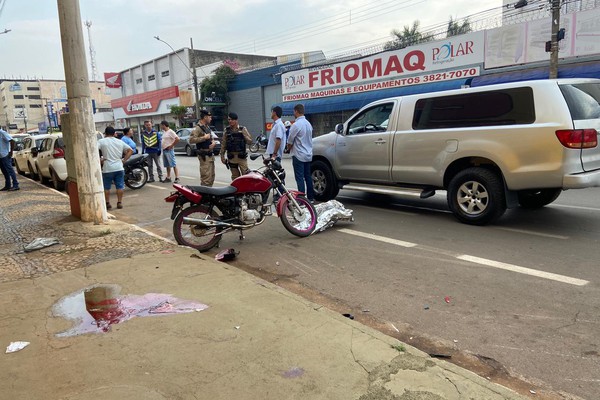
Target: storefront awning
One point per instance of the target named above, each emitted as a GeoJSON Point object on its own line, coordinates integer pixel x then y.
{"type": "Point", "coordinates": [356, 101]}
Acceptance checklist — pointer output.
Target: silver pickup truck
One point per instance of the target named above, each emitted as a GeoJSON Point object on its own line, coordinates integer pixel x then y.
{"type": "Point", "coordinates": [491, 147]}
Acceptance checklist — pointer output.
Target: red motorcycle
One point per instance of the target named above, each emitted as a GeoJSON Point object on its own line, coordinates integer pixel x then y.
{"type": "Point", "coordinates": [203, 214]}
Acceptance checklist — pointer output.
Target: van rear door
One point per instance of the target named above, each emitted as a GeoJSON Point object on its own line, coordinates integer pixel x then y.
{"type": "Point", "coordinates": [583, 100]}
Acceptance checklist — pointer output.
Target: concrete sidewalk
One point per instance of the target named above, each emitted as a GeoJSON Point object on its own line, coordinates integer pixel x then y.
{"type": "Point", "coordinates": [254, 341]}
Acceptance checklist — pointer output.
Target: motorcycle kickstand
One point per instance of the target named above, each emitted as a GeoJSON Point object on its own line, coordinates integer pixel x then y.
{"type": "Point", "coordinates": [242, 237]}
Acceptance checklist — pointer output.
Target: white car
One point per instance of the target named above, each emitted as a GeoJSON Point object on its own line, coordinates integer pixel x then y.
{"type": "Point", "coordinates": [50, 162]}
{"type": "Point", "coordinates": [23, 163]}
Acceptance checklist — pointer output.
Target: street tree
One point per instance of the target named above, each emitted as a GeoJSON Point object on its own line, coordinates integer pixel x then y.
{"type": "Point", "coordinates": [220, 79]}
{"type": "Point", "coordinates": [456, 28]}
{"type": "Point", "coordinates": [178, 112]}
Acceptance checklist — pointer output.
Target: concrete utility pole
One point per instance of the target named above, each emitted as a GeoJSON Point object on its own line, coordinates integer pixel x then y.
{"type": "Point", "coordinates": [554, 39]}
{"type": "Point", "coordinates": [82, 131]}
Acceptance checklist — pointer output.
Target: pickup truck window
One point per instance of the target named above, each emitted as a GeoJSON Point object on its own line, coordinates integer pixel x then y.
{"type": "Point", "coordinates": [582, 100]}
{"type": "Point", "coordinates": [371, 120]}
{"type": "Point", "coordinates": [501, 107]}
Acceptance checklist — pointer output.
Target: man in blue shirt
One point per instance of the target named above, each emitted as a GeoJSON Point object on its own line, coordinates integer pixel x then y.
{"type": "Point", "coordinates": [128, 138]}
{"type": "Point", "coordinates": [300, 145]}
{"type": "Point", "coordinates": [6, 151]}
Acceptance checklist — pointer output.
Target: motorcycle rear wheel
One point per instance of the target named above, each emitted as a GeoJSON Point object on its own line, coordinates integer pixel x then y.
{"type": "Point", "coordinates": [303, 224]}
{"type": "Point", "coordinates": [195, 236]}
{"type": "Point", "coordinates": [139, 177]}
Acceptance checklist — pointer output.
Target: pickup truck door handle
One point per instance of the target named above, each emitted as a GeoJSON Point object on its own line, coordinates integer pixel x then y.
{"type": "Point", "coordinates": [380, 141]}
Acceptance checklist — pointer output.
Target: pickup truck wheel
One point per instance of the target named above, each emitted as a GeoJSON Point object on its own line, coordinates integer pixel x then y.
{"type": "Point", "coordinates": [537, 198]}
{"type": "Point", "coordinates": [324, 182]}
{"type": "Point", "coordinates": [476, 196]}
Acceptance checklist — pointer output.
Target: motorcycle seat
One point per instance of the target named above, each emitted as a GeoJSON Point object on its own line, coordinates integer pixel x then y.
{"type": "Point", "coordinates": [218, 191]}
{"type": "Point", "coordinates": [135, 159]}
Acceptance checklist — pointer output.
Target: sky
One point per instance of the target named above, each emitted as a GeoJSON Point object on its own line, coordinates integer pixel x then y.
{"type": "Point", "coordinates": [123, 30]}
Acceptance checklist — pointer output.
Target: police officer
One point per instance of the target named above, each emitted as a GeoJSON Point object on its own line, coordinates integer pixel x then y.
{"type": "Point", "coordinates": [202, 136]}
{"type": "Point", "coordinates": [235, 139]}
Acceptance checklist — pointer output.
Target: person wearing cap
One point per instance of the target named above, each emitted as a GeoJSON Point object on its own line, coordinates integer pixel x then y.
{"type": "Point", "coordinates": [203, 137]}
{"type": "Point", "coordinates": [114, 153]}
{"type": "Point", "coordinates": [235, 140]}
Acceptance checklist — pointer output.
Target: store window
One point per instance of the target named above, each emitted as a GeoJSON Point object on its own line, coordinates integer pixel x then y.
{"type": "Point", "coordinates": [18, 96]}
{"type": "Point", "coordinates": [34, 97]}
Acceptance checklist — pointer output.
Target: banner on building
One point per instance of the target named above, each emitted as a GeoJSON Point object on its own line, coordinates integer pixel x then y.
{"type": "Point", "coordinates": [412, 65]}
{"type": "Point", "coordinates": [112, 79]}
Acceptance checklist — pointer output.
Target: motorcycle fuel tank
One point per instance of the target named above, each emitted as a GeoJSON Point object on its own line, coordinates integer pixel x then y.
{"type": "Point", "coordinates": [251, 182]}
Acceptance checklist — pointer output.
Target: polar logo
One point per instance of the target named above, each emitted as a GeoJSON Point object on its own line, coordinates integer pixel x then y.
{"type": "Point", "coordinates": [450, 50]}
{"type": "Point", "coordinates": [294, 80]}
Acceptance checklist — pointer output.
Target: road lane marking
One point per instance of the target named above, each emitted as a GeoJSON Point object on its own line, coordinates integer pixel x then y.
{"type": "Point", "coordinates": [548, 235]}
{"type": "Point", "coordinates": [575, 207]}
{"type": "Point", "coordinates": [523, 270]}
{"type": "Point", "coordinates": [378, 238]}
{"type": "Point", "coordinates": [476, 260]}
{"type": "Point", "coordinates": [188, 177]}
{"type": "Point", "coordinates": [159, 187]}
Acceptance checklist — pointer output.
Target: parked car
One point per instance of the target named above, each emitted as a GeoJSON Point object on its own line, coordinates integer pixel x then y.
{"type": "Point", "coordinates": [50, 162]}
{"type": "Point", "coordinates": [189, 149]}
{"type": "Point", "coordinates": [491, 147]}
{"type": "Point", "coordinates": [24, 163]}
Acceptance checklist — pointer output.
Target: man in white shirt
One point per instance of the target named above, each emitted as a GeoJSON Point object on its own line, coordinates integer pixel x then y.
{"type": "Point", "coordinates": [169, 139]}
{"type": "Point", "coordinates": [114, 153]}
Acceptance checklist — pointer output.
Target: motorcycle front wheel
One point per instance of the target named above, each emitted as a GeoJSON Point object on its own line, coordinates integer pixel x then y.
{"type": "Point", "coordinates": [300, 222]}
{"type": "Point", "coordinates": [136, 179]}
{"type": "Point", "coordinates": [196, 236]}
{"type": "Point", "coordinates": [254, 147]}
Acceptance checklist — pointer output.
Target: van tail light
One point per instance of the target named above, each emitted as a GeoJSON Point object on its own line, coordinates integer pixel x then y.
{"type": "Point", "coordinates": [58, 153]}
{"type": "Point", "coordinates": [578, 138]}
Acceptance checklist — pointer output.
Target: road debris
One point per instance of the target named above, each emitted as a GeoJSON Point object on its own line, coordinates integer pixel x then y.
{"type": "Point", "coordinates": [226, 255]}
{"type": "Point", "coordinates": [40, 243]}
{"type": "Point", "coordinates": [16, 346]}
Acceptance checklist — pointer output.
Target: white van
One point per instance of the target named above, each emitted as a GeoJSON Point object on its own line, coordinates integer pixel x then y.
{"type": "Point", "coordinates": [489, 147]}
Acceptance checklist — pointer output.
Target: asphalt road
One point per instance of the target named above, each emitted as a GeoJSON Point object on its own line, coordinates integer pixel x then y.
{"type": "Point", "coordinates": [521, 295]}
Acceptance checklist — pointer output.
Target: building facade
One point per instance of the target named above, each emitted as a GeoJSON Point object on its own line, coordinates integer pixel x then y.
{"type": "Point", "coordinates": [35, 105]}
{"type": "Point", "coordinates": [147, 91]}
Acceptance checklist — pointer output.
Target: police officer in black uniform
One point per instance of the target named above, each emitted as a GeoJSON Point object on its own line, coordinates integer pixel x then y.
{"type": "Point", "coordinates": [235, 139]}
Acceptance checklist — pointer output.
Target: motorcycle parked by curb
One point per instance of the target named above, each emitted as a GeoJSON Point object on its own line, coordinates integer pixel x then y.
{"type": "Point", "coordinates": [260, 141]}
{"type": "Point", "coordinates": [201, 214]}
{"type": "Point", "coordinates": [136, 175]}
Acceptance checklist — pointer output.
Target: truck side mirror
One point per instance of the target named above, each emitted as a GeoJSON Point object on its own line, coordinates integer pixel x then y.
{"type": "Point", "coordinates": [339, 129]}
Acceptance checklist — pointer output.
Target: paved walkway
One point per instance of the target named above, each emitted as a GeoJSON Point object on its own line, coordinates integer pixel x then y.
{"type": "Point", "coordinates": [254, 340]}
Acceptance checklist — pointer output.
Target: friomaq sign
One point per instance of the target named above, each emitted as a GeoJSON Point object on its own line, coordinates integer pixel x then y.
{"type": "Point", "coordinates": [409, 66]}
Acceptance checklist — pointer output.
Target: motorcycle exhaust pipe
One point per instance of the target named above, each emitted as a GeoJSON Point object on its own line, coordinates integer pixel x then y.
{"type": "Point", "coordinates": [216, 224]}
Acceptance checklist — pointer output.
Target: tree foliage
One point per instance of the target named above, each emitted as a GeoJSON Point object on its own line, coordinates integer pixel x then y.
{"type": "Point", "coordinates": [456, 28]}
{"type": "Point", "coordinates": [219, 80]}
{"type": "Point", "coordinates": [178, 112]}
{"type": "Point", "coordinates": [408, 36]}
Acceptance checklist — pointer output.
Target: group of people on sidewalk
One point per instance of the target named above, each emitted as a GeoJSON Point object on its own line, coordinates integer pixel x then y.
{"type": "Point", "coordinates": [295, 139]}
{"type": "Point", "coordinates": [115, 152]}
